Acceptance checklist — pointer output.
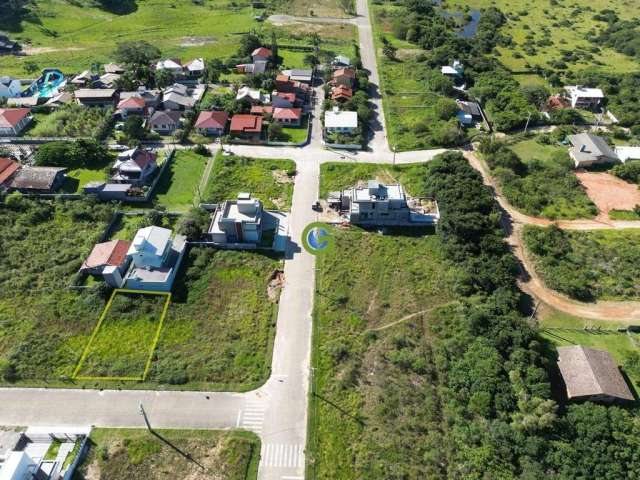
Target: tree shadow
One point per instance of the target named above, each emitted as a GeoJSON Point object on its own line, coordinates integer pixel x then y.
{"type": "Point", "coordinates": [119, 7]}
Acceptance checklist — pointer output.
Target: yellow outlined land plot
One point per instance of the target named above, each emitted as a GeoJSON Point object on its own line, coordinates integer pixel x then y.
{"type": "Point", "coordinates": [124, 328]}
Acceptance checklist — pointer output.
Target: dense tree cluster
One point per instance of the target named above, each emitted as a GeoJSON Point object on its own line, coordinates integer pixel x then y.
{"type": "Point", "coordinates": [76, 154]}
{"type": "Point", "coordinates": [621, 35]}
{"type": "Point", "coordinates": [500, 420]}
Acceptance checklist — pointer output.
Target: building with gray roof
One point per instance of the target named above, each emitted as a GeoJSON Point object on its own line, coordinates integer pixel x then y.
{"type": "Point", "coordinates": [588, 150]}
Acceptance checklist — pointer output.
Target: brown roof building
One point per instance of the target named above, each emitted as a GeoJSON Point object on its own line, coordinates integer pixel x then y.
{"type": "Point", "coordinates": [113, 253]}
{"type": "Point", "coordinates": [246, 126]}
{"type": "Point", "coordinates": [38, 179]}
{"type": "Point", "coordinates": [7, 168]}
{"type": "Point", "coordinates": [592, 375]}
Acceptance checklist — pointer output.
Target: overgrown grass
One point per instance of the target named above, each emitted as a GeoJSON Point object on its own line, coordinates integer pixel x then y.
{"type": "Point", "coordinates": [368, 403]}
{"type": "Point", "coordinates": [220, 328]}
{"type": "Point", "coordinates": [126, 337]}
{"type": "Point", "coordinates": [266, 179]}
{"type": "Point", "coordinates": [177, 190]}
{"type": "Point", "coordinates": [587, 265]}
{"type": "Point", "coordinates": [72, 120]}
{"type": "Point", "coordinates": [337, 176]}
{"type": "Point", "coordinates": [119, 454]}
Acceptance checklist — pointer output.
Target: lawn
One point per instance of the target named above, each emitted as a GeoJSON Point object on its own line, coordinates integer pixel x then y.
{"type": "Point", "coordinates": [266, 179]}
{"type": "Point", "coordinates": [337, 176]}
{"type": "Point", "coordinates": [218, 333]}
{"type": "Point", "coordinates": [125, 337]}
{"type": "Point", "coordinates": [587, 265]}
{"type": "Point", "coordinates": [372, 391]}
{"type": "Point", "coordinates": [177, 190]}
{"type": "Point", "coordinates": [297, 134]}
{"type": "Point", "coordinates": [529, 150]}
{"type": "Point", "coordinates": [565, 25]}
{"type": "Point", "coordinates": [123, 454]}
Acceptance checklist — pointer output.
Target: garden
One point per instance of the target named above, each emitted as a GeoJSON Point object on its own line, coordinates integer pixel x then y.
{"type": "Point", "coordinates": [122, 454]}
{"type": "Point", "coordinates": [587, 265]}
{"type": "Point", "coordinates": [269, 180]}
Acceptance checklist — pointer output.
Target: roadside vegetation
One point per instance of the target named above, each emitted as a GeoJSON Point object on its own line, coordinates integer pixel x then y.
{"type": "Point", "coordinates": [461, 392]}
{"type": "Point", "coordinates": [269, 180]}
{"type": "Point", "coordinates": [537, 177]}
{"type": "Point", "coordinates": [122, 454]}
{"type": "Point", "coordinates": [587, 265]}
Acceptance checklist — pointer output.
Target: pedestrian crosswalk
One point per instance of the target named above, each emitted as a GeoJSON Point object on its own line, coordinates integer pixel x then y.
{"type": "Point", "coordinates": [251, 417]}
{"type": "Point", "coordinates": [282, 455]}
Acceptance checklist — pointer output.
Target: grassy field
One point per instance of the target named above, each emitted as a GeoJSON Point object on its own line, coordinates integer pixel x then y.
{"type": "Point", "coordinates": [125, 338]}
{"type": "Point", "coordinates": [268, 180]}
{"type": "Point", "coordinates": [297, 134]}
{"type": "Point", "coordinates": [177, 190]}
{"type": "Point", "coordinates": [529, 150]}
{"type": "Point", "coordinates": [123, 454]}
{"type": "Point", "coordinates": [220, 327]}
{"type": "Point", "coordinates": [567, 25]}
{"type": "Point", "coordinates": [587, 265]}
{"type": "Point", "coordinates": [74, 35]}
{"type": "Point", "coordinates": [310, 8]}
{"type": "Point", "coordinates": [370, 317]}
{"type": "Point", "coordinates": [71, 121]}
{"type": "Point", "coordinates": [339, 175]}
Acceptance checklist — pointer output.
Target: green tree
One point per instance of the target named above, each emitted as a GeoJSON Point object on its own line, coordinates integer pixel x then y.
{"type": "Point", "coordinates": [389, 51]}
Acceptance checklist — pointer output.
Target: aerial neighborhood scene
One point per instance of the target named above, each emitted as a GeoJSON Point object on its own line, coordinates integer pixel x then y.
{"type": "Point", "coordinates": [332, 239]}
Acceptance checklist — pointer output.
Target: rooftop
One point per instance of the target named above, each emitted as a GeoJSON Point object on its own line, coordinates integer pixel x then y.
{"type": "Point", "coordinates": [36, 178]}
{"type": "Point", "coordinates": [108, 253]}
{"type": "Point", "coordinates": [584, 92]}
{"type": "Point", "coordinates": [212, 119]}
{"type": "Point", "coordinates": [10, 117]}
{"type": "Point", "coordinates": [340, 119]}
{"type": "Point", "coordinates": [246, 123]}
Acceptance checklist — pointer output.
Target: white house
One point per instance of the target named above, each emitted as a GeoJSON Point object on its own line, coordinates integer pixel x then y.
{"type": "Point", "coordinates": [456, 69]}
{"type": "Point", "coordinates": [18, 466]}
{"type": "Point", "coordinates": [583, 97]}
{"type": "Point", "coordinates": [337, 121]}
{"type": "Point", "coordinates": [195, 68]}
{"type": "Point", "coordinates": [237, 221]}
{"type": "Point", "coordinates": [155, 259]}
{"type": "Point", "coordinates": [172, 66]}
{"type": "Point", "coordinates": [254, 96]}
{"type": "Point", "coordinates": [9, 87]}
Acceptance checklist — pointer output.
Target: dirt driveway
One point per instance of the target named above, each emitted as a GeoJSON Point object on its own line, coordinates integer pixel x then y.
{"type": "Point", "coordinates": [609, 192]}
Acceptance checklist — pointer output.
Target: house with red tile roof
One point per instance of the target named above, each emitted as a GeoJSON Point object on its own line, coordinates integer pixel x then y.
{"type": "Point", "coordinates": [288, 116]}
{"type": "Point", "coordinates": [212, 123]}
{"type": "Point", "coordinates": [8, 168]}
{"type": "Point", "coordinates": [13, 121]}
{"type": "Point", "coordinates": [283, 100]}
{"type": "Point", "coordinates": [136, 167]}
{"type": "Point", "coordinates": [262, 110]}
{"type": "Point", "coordinates": [107, 254]}
{"type": "Point", "coordinates": [245, 126]}
{"type": "Point", "coordinates": [341, 94]}
{"type": "Point", "coordinates": [344, 76]}
{"type": "Point", "coordinates": [131, 106]}
{"type": "Point", "coordinates": [261, 53]}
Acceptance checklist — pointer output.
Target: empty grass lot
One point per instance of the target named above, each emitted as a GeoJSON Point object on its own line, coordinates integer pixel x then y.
{"type": "Point", "coordinates": [123, 454]}
{"type": "Point", "coordinates": [371, 312]}
{"type": "Point", "coordinates": [125, 339]}
{"type": "Point", "coordinates": [569, 24]}
{"type": "Point", "coordinates": [177, 190]}
{"type": "Point", "coordinates": [587, 265]}
{"type": "Point", "coordinates": [268, 180]}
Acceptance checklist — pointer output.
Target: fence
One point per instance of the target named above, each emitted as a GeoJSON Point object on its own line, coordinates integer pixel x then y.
{"type": "Point", "coordinates": [84, 448]}
{"type": "Point", "coordinates": [153, 186]}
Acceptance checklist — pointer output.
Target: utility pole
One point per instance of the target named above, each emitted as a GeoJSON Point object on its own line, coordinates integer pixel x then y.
{"type": "Point", "coordinates": [527, 124]}
{"type": "Point", "coordinates": [144, 415]}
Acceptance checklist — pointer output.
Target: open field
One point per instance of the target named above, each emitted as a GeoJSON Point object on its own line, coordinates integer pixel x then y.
{"type": "Point", "coordinates": [71, 121]}
{"type": "Point", "coordinates": [587, 265]}
{"type": "Point", "coordinates": [551, 28]}
{"type": "Point", "coordinates": [219, 330]}
{"type": "Point", "coordinates": [268, 180]}
{"type": "Point", "coordinates": [125, 337]}
{"type": "Point", "coordinates": [371, 313]}
{"type": "Point", "coordinates": [340, 175]}
{"type": "Point", "coordinates": [74, 35]}
{"type": "Point", "coordinates": [123, 454]}
{"type": "Point", "coordinates": [311, 8]}
{"type": "Point", "coordinates": [177, 190]}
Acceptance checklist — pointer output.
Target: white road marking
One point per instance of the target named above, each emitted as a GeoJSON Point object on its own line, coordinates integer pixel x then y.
{"type": "Point", "coordinates": [239, 418]}
{"type": "Point", "coordinates": [252, 416]}
{"type": "Point", "coordinates": [282, 456]}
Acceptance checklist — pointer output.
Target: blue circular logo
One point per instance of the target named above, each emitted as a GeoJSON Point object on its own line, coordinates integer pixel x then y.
{"type": "Point", "coordinates": [317, 238]}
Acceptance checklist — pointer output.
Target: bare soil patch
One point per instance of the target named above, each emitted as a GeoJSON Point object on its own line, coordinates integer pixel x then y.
{"type": "Point", "coordinates": [609, 192]}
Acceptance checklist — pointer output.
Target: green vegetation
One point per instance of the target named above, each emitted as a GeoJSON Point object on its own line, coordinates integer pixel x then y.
{"type": "Point", "coordinates": [337, 176]}
{"type": "Point", "coordinates": [268, 180]}
{"type": "Point", "coordinates": [73, 120]}
{"type": "Point", "coordinates": [296, 134]}
{"type": "Point", "coordinates": [587, 265]}
{"type": "Point", "coordinates": [122, 454]}
{"type": "Point", "coordinates": [52, 451]}
{"type": "Point", "coordinates": [178, 189]}
{"type": "Point", "coordinates": [125, 338]}
{"type": "Point", "coordinates": [624, 215]}
{"type": "Point", "coordinates": [319, 8]}
{"type": "Point", "coordinates": [538, 178]}
{"type": "Point", "coordinates": [43, 325]}
{"type": "Point", "coordinates": [462, 390]}
{"type": "Point", "coordinates": [220, 327]}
